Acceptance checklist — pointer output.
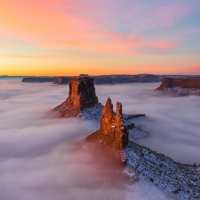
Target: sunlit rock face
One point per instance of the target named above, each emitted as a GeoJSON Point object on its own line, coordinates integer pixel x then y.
{"type": "Point", "coordinates": [113, 130]}
{"type": "Point", "coordinates": [81, 95]}
{"type": "Point", "coordinates": [180, 85]}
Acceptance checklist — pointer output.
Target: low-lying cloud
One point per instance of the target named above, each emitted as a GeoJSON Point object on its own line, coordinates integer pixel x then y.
{"type": "Point", "coordinates": [172, 121]}
{"type": "Point", "coordinates": [40, 154]}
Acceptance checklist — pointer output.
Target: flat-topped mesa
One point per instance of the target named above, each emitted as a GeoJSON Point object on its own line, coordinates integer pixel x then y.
{"type": "Point", "coordinates": [180, 85]}
{"type": "Point", "coordinates": [112, 130]}
{"type": "Point", "coordinates": [81, 95]}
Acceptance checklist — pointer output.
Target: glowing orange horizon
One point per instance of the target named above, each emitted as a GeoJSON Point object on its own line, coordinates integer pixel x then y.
{"type": "Point", "coordinates": [66, 37]}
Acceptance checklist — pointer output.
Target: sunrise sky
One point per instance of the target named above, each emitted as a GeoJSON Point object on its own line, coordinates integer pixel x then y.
{"type": "Point", "coordinates": [69, 37]}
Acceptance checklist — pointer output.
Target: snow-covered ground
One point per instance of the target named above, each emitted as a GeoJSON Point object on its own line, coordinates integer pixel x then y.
{"type": "Point", "coordinates": [39, 155]}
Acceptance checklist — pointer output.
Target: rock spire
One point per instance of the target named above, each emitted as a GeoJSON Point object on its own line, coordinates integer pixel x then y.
{"type": "Point", "coordinates": [112, 130]}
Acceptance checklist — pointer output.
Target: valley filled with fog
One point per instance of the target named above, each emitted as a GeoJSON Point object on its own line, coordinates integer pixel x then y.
{"type": "Point", "coordinates": [172, 121]}
{"type": "Point", "coordinates": [41, 156]}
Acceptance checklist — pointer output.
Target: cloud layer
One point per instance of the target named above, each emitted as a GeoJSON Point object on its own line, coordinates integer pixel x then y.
{"type": "Point", "coordinates": [172, 121]}
{"type": "Point", "coordinates": [42, 156]}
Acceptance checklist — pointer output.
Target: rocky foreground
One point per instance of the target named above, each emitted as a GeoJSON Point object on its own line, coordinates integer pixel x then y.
{"type": "Point", "coordinates": [117, 136]}
{"type": "Point", "coordinates": [182, 86]}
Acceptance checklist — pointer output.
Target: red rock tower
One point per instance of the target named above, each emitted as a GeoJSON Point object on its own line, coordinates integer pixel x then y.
{"type": "Point", "coordinates": [81, 95]}
{"type": "Point", "coordinates": [112, 130]}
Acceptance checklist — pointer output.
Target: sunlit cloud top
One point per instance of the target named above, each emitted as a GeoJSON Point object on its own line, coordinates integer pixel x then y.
{"type": "Point", "coordinates": [67, 37]}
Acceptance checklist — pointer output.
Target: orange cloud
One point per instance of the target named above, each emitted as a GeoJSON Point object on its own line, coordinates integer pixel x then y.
{"type": "Point", "coordinates": [66, 24]}
{"type": "Point", "coordinates": [191, 69]}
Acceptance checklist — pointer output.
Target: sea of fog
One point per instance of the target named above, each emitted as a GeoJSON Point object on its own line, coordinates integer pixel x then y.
{"type": "Point", "coordinates": [172, 121]}
{"type": "Point", "coordinates": [39, 153]}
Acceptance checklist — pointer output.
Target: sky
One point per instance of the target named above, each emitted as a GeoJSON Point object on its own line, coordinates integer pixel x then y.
{"type": "Point", "coordinates": [70, 37]}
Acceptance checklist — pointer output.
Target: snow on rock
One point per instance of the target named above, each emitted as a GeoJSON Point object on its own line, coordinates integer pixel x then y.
{"type": "Point", "coordinates": [93, 113]}
{"type": "Point", "coordinates": [136, 133]}
{"type": "Point", "coordinates": [162, 171]}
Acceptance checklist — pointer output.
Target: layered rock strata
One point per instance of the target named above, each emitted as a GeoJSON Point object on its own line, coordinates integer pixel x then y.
{"type": "Point", "coordinates": [81, 98]}
{"type": "Point", "coordinates": [180, 85]}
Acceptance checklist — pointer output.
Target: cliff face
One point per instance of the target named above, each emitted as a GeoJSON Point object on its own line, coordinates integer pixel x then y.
{"type": "Point", "coordinates": [184, 83]}
{"type": "Point", "coordinates": [113, 131]}
{"type": "Point", "coordinates": [81, 95]}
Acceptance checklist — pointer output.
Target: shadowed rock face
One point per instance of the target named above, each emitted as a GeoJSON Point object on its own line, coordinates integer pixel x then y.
{"type": "Point", "coordinates": [81, 95]}
{"type": "Point", "coordinates": [191, 83]}
{"type": "Point", "coordinates": [112, 130]}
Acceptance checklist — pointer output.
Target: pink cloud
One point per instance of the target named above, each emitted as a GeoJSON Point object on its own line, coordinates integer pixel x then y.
{"type": "Point", "coordinates": [167, 15]}
{"type": "Point", "coordinates": [67, 24]}
{"type": "Point", "coordinates": [164, 44]}
{"type": "Point", "coordinates": [5, 45]}
{"type": "Point", "coordinates": [192, 69]}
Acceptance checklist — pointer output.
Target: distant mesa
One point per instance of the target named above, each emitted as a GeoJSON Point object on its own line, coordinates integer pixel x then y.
{"type": "Point", "coordinates": [101, 79]}
{"type": "Point", "coordinates": [108, 79]}
{"type": "Point", "coordinates": [182, 86]}
{"type": "Point", "coordinates": [115, 79]}
{"type": "Point", "coordinates": [35, 79]}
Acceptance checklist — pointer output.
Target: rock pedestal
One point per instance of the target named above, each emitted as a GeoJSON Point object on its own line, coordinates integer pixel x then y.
{"type": "Point", "coordinates": [81, 95]}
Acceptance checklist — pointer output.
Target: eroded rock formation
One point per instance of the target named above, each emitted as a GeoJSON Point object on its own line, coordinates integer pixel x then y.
{"type": "Point", "coordinates": [81, 95]}
{"type": "Point", "coordinates": [113, 131]}
{"type": "Point", "coordinates": [180, 85]}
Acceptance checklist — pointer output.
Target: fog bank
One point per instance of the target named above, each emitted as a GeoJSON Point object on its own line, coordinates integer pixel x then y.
{"type": "Point", "coordinates": [172, 121]}
{"type": "Point", "coordinates": [41, 156]}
